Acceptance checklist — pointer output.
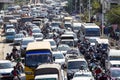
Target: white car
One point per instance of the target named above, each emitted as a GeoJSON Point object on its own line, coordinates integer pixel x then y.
{"type": "Point", "coordinates": [36, 30]}
{"type": "Point", "coordinates": [38, 36]}
{"type": "Point", "coordinates": [52, 43]}
{"type": "Point", "coordinates": [63, 48]}
{"type": "Point", "coordinates": [18, 38]}
{"type": "Point", "coordinates": [83, 75]}
{"type": "Point", "coordinates": [74, 65]}
{"type": "Point", "coordinates": [59, 57]}
{"type": "Point", "coordinates": [6, 68]}
{"type": "Point", "coordinates": [24, 44]}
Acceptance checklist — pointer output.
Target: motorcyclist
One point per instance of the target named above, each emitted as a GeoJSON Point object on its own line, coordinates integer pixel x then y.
{"type": "Point", "coordinates": [19, 66]}
{"type": "Point", "coordinates": [16, 74]}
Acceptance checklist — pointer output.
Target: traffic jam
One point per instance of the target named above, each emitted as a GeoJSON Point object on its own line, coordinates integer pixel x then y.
{"type": "Point", "coordinates": [48, 43]}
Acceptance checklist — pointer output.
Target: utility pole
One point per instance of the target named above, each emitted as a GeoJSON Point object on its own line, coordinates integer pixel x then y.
{"type": "Point", "coordinates": [102, 22]}
{"type": "Point", "coordinates": [80, 6]}
{"type": "Point", "coordinates": [75, 5]}
{"type": "Point", "coordinates": [89, 10]}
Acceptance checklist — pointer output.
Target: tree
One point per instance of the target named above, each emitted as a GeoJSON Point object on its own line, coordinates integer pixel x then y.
{"type": "Point", "coordinates": [113, 16]}
{"type": "Point", "coordinates": [96, 6]}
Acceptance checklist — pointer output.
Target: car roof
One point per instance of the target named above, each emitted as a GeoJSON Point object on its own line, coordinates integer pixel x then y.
{"type": "Point", "coordinates": [115, 62]}
{"type": "Point", "coordinates": [28, 38]}
{"type": "Point", "coordinates": [78, 59]}
{"type": "Point", "coordinates": [46, 76]}
{"type": "Point", "coordinates": [115, 68]}
{"type": "Point", "coordinates": [114, 52]}
{"type": "Point", "coordinates": [49, 65]}
{"type": "Point", "coordinates": [56, 52]}
{"type": "Point", "coordinates": [83, 72]}
{"type": "Point", "coordinates": [48, 40]}
{"type": "Point", "coordinates": [4, 61]}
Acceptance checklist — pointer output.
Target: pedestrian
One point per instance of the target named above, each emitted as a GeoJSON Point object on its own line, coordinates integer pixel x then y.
{"type": "Point", "coordinates": [15, 73]}
{"type": "Point", "coordinates": [8, 57]}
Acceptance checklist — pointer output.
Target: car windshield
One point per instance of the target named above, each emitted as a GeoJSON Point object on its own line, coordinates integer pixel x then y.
{"type": "Point", "coordinates": [58, 56]}
{"type": "Point", "coordinates": [115, 73]}
{"type": "Point", "coordinates": [114, 58]}
{"type": "Point", "coordinates": [82, 75]}
{"type": "Point", "coordinates": [92, 32]}
{"type": "Point", "coordinates": [10, 33]}
{"type": "Point", "coordinates": [77, 28]}
{"type": "Point", "coordinates": [5, 65]}
{"type": "Point", "coordinates": [26, 42]}
{"type": "Point", "coordinates": [38, 36]}
{"type": "Point", "coordinates": [73, 51]}
{"type": "Point", "coordinates": [52, 43]}
{"type": "Point", "coordinates": [69, 43]}
{"type": "Point", "coordinates": [55, 24]}
{"type": "Point", "coordinates": [19, 36]}
{"type": "Point", "coordinates": [36, 31]}
{"type": "Point", "coordinates": [77, 64]}
{"type": "Point", "coordinates": [63, 48]}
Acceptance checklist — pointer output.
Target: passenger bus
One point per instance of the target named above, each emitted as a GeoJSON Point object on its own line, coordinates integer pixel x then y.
{"type": "Point", "coordinates": [36, 53]}
{"type": "Point", "coordinates": [90, 30]}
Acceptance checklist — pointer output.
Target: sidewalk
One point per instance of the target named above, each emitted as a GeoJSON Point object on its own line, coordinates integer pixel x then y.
{"type": "Point", "coordinates": [1, 46]}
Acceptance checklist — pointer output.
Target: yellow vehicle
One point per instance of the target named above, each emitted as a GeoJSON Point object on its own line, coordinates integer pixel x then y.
{"type": "Point", "coordinates": [36, 53]}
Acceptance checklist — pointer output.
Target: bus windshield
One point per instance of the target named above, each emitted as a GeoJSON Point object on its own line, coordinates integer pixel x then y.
{"type": "Point", "coordinates": [34, 58]}
{"type": "Point", "coordinates": [92, 32]}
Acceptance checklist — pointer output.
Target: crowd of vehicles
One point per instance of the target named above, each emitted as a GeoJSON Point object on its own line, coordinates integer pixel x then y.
{"type": "Point", "coordinates": [54, 46]}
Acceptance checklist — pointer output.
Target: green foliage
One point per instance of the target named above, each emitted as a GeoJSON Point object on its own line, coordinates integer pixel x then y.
{"type": "Point", "coordinates": [19, 2]}
{"type": "Point", "coordinates": [95, 6]}
{"type": "Point", "coordinates": [113, 15]}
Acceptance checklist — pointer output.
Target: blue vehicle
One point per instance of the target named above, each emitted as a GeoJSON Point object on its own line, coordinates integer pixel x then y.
{"type": "Point", "coordinates": [10, 35]}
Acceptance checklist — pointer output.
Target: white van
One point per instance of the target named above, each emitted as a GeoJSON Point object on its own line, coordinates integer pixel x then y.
{"type": "Point", "coordinates": [76, 26]}
{"type": "Point", "coordinates": [113, 58]}
{"type": "Point", "coordinates": [91, 30]}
